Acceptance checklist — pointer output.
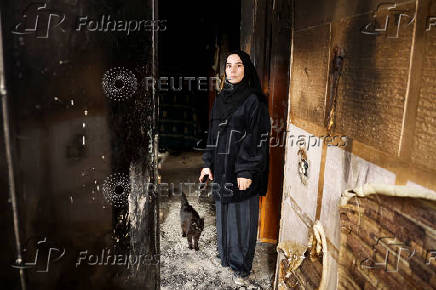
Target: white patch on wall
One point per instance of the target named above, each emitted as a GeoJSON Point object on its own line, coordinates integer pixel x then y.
{"type": "Point", "coordinates": [305, 195]}
{"type": "Point", "coordinates": [343, 170]}
{"type": "Point", "coordinates": [292, 227]}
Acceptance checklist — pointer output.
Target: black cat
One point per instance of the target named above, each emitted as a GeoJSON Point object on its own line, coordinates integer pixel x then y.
{"type": "Point", "coordinates": [192, 224]}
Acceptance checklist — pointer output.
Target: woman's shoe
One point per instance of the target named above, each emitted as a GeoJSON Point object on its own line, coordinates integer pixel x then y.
{"type": "Point", "coordinates": [241, 278]}
{"type": "Point", "coordinates": [244, 274]}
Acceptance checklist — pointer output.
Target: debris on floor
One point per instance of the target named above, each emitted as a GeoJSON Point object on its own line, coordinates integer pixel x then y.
{"type": "Point", "coordinates": [182, 268]}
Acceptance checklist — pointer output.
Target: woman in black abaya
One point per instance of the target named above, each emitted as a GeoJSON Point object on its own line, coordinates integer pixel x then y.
{"type": "Point", "coordinates": [237, 161]}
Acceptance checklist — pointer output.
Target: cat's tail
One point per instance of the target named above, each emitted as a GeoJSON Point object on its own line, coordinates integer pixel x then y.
{"type": "Point", "coordinates": [184, 200]}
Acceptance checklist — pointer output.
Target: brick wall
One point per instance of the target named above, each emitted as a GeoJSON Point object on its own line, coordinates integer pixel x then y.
{"type": "Point", "coordinates": [387, 243]}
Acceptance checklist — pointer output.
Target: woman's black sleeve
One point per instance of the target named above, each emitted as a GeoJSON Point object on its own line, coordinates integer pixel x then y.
{"type": "Point", "coordinates": [254, 149]}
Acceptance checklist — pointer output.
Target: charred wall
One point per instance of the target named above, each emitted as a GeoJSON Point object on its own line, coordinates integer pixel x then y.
{"type": "Point", "coordinates": [360, 74]}
{"type": "Point", "coordinates": [75, 136]}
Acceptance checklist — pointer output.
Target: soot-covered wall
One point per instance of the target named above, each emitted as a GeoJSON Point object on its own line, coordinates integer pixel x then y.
{"type": "Point", "coordinates": [363, 74]}
{"type": "Point", "coordinates": [82, 131]}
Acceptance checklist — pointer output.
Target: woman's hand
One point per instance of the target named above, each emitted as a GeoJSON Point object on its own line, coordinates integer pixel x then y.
{"type": "Point", "coordinates": [205, 171]}
{"type": "Point", "coordinates": [243, 183]}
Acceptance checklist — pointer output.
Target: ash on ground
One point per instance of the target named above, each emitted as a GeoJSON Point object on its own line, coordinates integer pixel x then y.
{"type": "Point", "coordinates": [182, 268]}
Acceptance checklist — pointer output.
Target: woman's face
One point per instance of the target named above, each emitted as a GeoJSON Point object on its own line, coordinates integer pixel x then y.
{"type": "Point", "coordinates": [234, 69]}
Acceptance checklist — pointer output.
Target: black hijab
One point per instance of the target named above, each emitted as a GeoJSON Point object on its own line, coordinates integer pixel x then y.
{"type": "Point", "coordinates": [233, 95]}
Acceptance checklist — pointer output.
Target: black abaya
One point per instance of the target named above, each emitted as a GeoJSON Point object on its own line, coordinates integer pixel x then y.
{"type": "Point", "coordinates": [237, 212]}
{"type": "Point", "coordinates": [236, 224]}
{"type": "Point", "coordinates": [238, 146]}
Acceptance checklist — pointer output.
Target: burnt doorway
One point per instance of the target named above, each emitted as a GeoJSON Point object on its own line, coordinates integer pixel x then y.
{"type": "Point", "coordinates": [191, 59]}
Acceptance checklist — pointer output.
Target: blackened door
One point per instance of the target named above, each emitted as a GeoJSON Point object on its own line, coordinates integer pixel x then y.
{"type": "Point", "coordinates": [78, 145]}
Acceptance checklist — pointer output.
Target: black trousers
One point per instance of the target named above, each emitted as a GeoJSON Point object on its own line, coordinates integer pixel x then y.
{"type": "Point", "coordinates": [236, 225]}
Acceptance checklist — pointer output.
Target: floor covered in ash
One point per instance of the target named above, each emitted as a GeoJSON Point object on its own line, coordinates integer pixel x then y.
{"type": "Point", "coordinates": [182, 268]}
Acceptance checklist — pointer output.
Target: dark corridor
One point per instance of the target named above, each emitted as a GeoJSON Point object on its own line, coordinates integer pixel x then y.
{"type": "Point", "coordinates": [190, 56]}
